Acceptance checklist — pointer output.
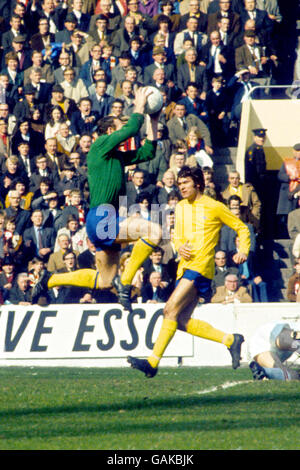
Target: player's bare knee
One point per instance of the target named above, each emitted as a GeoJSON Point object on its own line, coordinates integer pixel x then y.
{"type": "Point", "coordinates": [170, 311]}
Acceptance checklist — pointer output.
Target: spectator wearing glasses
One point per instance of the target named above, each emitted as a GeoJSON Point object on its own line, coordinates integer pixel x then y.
{"type": "Point", "coordinates": [74, 89]}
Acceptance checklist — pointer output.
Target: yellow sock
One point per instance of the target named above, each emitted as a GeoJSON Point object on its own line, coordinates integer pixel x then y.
{"type": "Point", "coordinates": [140, 252]}
{"type": "Point", "coordinates": [165, 335]}
{"type": "Point", "coordinates": [79, 278]}
{"type": "Point", "coordinates": [205, 330]}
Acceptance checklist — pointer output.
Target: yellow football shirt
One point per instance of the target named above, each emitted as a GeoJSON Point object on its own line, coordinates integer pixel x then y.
{"type": "Point", "coordinates": [199, 223]}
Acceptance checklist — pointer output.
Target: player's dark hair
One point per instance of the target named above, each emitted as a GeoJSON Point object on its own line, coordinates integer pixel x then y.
{"type": "Point", "coordinates": [195, 173]}
{"type": "Point", "coordinates": [104, 123]}
{"type": "Point", "coordinates": [234, 197]}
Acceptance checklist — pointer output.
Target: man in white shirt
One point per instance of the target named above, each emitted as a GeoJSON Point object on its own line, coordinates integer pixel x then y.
{"type": "Point", "coordinates": [199, 39]}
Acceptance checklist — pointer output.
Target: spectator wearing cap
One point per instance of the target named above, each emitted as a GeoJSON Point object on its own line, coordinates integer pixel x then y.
{"type": "Point", "coordinates": [253, 57]}
{"type": "Point", "coordinates": [58, 98]}
{"type": "Point", "coordinates": [64, 35]}
{"type": "Point", "coordinates": [118, 72]}
{"type": "Point", "coordinates": [289, 193]}
{"type": "Point", "coordinates": [261, 37]}
{"type": "Point", "coordinates": [162, 40]}
{"type": "Point", "coordinates": [22, 109]}
{"type": "Point", "coordinates": [160, 62]}
{"type": "Point", "coordinates": [23, 52]}
{"type": "Point", "coordinates": [255, 162]}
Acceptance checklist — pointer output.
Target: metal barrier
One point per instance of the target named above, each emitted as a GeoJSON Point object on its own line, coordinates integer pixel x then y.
{"type": "Point", "coordinates": [295, 85]}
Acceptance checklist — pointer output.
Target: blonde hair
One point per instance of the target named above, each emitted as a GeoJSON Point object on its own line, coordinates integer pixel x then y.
{"type": "Point", "coordinates": [12, 159]}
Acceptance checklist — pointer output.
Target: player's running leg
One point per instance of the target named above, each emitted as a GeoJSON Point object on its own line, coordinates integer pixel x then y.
{"type": "Point", "coordinates": [177, 313]}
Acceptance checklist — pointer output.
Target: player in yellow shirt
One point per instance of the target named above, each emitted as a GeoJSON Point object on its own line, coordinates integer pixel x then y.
{"type": "Point", "coordinates": [198, 221]}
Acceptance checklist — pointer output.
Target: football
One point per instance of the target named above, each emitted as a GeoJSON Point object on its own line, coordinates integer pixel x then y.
{"type": "Point", "coordinates": [154, 101]}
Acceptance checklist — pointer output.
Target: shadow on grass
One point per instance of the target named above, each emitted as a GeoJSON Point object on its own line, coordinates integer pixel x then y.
{"type": "Point", "coordinates": [128, 423]}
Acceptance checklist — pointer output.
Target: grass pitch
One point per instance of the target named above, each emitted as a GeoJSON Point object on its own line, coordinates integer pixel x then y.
{"type": "Point", "coordinates": [180, 409]}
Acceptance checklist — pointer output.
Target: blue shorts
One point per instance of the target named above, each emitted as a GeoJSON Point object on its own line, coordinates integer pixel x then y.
{"type": "Point", "coordinates": [103, 226]}
{"type": "Point", "coordinates": [201, 283]}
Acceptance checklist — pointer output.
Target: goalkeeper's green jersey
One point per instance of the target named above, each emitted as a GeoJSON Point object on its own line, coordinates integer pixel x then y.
{"type": "Point", "coordinates": [106, 164]}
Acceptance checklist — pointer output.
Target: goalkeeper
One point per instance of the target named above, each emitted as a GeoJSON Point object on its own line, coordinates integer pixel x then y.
{"type": "Point", "coordinates": [105, 227]}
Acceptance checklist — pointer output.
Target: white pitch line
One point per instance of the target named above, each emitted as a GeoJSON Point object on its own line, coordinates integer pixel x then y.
{"type": "Point", "coordinates": [223, 386]}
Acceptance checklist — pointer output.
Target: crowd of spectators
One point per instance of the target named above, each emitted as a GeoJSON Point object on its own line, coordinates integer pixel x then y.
{"type": "Point", "coordinates": [67, 64]}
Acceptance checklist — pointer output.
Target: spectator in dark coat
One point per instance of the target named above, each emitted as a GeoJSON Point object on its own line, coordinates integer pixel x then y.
{"type": "Point", "coordinates": [14, 210]}
{"type": "Point", "coordinates": [21, 292]}
{"type": "Point", "coordinates": [153, 292]}
{"type": "Point", "coordinates": [39, 240]}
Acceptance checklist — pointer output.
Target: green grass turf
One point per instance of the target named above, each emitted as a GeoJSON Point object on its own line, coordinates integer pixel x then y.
{"type": "Point", "coordinates": [92, 409]}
